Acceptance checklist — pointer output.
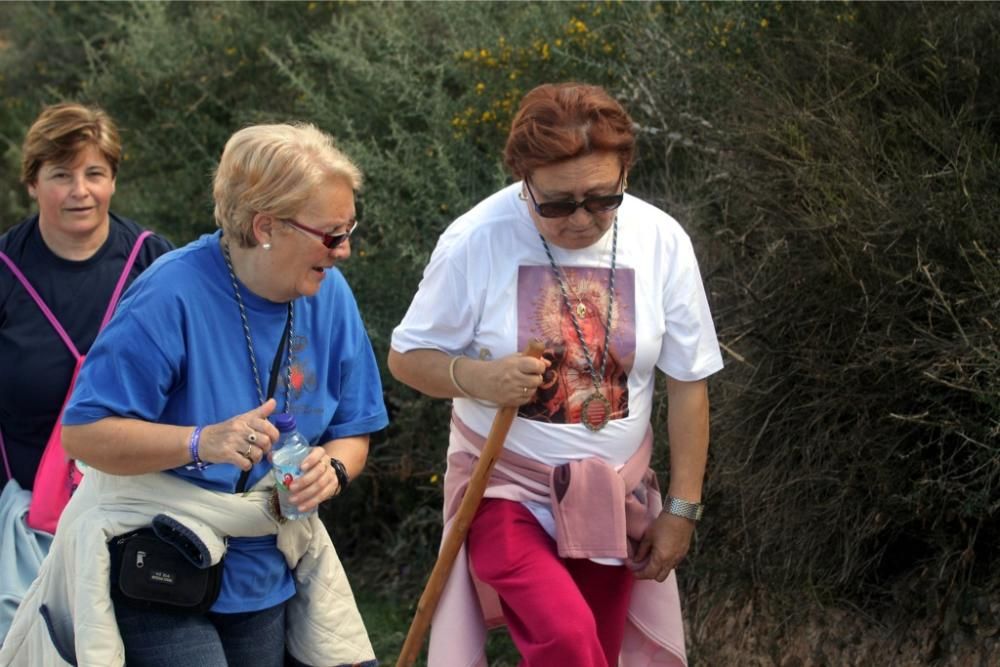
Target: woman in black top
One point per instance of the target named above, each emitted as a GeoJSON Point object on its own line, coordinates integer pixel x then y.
{"type": "Point", "coordinates": [72, 252]}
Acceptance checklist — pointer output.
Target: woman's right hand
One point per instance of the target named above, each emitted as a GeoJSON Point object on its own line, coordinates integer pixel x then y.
{"type": "Point", "coordinates": [242, 440]}
{"type": "Point", "coordinates": [509, 381]}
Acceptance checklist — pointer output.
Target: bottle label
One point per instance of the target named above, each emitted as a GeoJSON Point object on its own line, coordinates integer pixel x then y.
{"type": "Point", "coordinates": [285, 475]}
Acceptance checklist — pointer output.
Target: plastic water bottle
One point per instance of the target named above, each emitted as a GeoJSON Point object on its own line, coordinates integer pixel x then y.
{"type": "Point", "coordinates": [288, 453]}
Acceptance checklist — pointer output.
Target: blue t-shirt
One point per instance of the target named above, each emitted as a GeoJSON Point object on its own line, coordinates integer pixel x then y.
{"type": "Point", "coordinates": [175, 353]}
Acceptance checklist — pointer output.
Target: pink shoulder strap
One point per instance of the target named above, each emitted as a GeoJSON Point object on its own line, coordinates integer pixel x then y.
{"type": "Point", "coordinates": [115, 296]}
{"type": "Point", "coordinates": [41, 304]}
{"type": "Point", "coordinates": [129, 263]}
{"type": "Point", "coordinates": [50, 316]}
{"type": "Point", "coordinates": [6, 463]}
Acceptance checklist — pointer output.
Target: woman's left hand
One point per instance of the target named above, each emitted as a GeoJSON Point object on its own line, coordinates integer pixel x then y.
{"type": "Point", "coordinates": [317, 483]}
{"type": "Point", "coordinates": [663, 547]}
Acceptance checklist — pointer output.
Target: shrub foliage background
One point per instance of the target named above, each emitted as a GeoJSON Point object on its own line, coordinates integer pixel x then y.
{"type": "Point", "coordinates": [836, 164]}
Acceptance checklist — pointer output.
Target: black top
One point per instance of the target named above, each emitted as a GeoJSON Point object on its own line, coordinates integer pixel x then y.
{"type": "Point", "coordinates": [35, 365]}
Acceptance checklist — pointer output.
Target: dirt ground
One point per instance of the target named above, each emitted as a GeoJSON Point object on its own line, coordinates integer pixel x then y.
{"type": "Point", "coordinates": [753, 630]}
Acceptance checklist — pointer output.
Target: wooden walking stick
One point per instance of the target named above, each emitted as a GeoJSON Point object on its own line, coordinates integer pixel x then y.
{"type": "Point", "coordinates": [459, 527]}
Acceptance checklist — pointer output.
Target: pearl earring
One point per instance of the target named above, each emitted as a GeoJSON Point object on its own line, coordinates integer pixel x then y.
{"type": "Point", "coordinates": [266, 246]}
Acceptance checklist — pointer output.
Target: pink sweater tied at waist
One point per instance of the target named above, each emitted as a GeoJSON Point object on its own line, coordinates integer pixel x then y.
{"type": "Point", "coordinates": [599, 513]}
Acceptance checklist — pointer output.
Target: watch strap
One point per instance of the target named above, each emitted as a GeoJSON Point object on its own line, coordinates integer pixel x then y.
{"type": "Point", "coordinates": [684, 508]}
{"type": "Point", "coordinates": [343, 479]}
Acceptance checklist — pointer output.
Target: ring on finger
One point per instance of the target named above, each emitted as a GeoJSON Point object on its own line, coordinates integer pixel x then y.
{"type": "Point", "coordinates": [252, 437]}
{"type": "Point", "coordinates": [248, 451]}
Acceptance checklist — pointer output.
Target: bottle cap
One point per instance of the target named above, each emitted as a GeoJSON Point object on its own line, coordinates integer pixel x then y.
{"type": "Point", "coordinates": [284, 422]}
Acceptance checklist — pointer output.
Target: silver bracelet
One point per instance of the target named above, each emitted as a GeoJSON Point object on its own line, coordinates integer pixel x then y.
{"type": "Point", "coordinates": [451, 374]}
{"type": "Point", "coordinates": [684, 508]}
{"type": "Point", "coordinates": [461, 390]}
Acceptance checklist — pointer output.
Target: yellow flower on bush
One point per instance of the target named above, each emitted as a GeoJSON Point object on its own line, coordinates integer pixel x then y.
{"type": "Point", "coordinates": [480, 87]}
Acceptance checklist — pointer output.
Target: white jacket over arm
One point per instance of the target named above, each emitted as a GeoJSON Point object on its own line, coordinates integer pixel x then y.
{"type": "Point", "coordinates": [67, 617]}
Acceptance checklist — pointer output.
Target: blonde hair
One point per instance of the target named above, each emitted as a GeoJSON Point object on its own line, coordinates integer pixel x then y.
{"type": "Point", "coordinates": [62, 131]}
{"type": "Point", "coordinates": [274, 169]}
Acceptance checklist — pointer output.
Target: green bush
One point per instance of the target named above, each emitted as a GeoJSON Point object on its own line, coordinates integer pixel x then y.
{"type": "Point", "coordinates": [842, 178]}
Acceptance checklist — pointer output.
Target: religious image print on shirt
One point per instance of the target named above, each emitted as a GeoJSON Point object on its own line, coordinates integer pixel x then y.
{"type": "Point", "coordinates": [567, 394]}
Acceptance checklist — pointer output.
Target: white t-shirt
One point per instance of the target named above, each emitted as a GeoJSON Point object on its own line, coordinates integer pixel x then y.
{"type": "Point", "coordinates": [489, 288]}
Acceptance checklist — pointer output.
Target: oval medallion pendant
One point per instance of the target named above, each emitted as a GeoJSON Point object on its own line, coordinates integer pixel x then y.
{"type": "Point", "coordinates": [596, 411]}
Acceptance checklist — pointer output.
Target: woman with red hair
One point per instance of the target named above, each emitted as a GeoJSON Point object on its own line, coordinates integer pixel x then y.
{"type": "Point", "coordinates": [572, 539]}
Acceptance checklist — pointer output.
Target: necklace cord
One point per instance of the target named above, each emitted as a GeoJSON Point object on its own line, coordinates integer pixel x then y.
{"type": "Point", "coordinates": [594, 376]}
{"type": "Point", "coordinates": [275, 365]}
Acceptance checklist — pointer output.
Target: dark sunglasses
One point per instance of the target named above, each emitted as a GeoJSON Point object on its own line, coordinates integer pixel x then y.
{"type": "Point", "coordinates": [564, 209]}
{"type": "Point", "coordinates": [326, 238]}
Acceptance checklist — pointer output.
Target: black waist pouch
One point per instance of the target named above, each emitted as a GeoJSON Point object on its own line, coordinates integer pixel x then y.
{"type": "Point", "coordinates": [149, 573]}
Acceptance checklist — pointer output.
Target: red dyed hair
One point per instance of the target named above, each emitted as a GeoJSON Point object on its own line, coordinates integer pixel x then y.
{"type": "Point", "coordinates": [558, 122]}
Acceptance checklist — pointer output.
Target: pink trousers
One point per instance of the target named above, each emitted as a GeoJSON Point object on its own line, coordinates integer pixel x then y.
{"type": "Point", "coordinates": [559, 611]}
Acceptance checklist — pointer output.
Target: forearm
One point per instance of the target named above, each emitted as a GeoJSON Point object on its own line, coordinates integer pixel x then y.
{"type": "Point", "coordinates": [509, 381]}
{"type": "Point", "coordinates": [352, 452]}
{"type": "Point", "coordinates": [687, 425]}
{"type": "Point", "coordinates": [123, 446]}
{"type": "Point", "coordinates": [427, 371]}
